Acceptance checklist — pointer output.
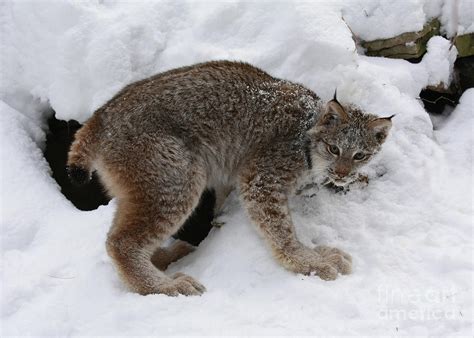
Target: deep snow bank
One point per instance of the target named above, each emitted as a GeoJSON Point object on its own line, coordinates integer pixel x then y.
{"type": "Point", "coordinates": [409, 231]}
{"type": "Point", "coordinates": [76, 55]}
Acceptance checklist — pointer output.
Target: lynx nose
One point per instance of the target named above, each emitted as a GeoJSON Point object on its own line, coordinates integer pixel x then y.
{"type": "Point", "coordinates": [342, 170]}
{"type": "Point", "coordinates": [341, 173]}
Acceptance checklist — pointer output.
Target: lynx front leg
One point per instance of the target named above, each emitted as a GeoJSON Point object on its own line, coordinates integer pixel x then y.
{"type": "Point", "coordinates": [265, 197]}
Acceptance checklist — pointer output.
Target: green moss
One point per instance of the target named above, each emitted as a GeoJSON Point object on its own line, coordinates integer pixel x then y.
{"type": "Point", "coordinates": [465, 45]}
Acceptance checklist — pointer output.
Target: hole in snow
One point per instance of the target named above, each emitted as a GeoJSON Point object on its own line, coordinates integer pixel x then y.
{"type": "Point", "coordinates": [436, 102]}
{"type": "Point", "coordinates": [91, 195]}
{"type": "Point", "coordinates": [58, 140]}
{"type": "Point", "coordinates": [440, 102]}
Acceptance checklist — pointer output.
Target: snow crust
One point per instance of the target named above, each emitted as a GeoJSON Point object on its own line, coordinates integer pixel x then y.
{"type": "Point", "coordinates": [409, 231]}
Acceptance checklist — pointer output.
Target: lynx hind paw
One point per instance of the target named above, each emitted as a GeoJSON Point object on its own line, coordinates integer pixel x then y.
{"type": "Point", "coordinates": [178, 284]}
{"type": "Point", "coordinates": [187, 285]}
{"type": "Point", "coordinates": [335, 258]}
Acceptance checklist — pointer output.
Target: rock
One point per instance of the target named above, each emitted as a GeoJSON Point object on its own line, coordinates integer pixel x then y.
{"type": "Point", "coordinates": [404, 46]}
{"type": "Point", "coordinates": [465, 45]}
{"type": "Point", "coordinates": [464, 72]}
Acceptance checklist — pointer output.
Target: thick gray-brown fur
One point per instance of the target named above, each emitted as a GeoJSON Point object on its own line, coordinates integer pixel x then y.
{"type": "Point", "coordinates": [161, 141]}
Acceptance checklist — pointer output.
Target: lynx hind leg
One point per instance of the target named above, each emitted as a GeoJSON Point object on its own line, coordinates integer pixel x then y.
{"type": "Point", "coordinates": [130, 244]}
{"type": "Point", "coordinates": [163, 257]}
{"type": "Point", "coordinates": [151, 211]}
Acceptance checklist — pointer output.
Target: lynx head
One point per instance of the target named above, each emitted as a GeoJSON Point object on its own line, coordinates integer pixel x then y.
{"type": "Point", "coordinates": [344, 139]}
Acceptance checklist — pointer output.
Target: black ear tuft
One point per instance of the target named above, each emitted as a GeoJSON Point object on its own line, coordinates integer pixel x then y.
{"type": "Point", "coordinates": [77, 175]}
{"type": "Point", "coordinates": [335, 96]}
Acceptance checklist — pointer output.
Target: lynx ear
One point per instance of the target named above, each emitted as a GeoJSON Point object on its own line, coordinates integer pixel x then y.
{"type": "Point", "coordinates": [333, 115]}
{"type": "Point", "coordinates": [381, 127]}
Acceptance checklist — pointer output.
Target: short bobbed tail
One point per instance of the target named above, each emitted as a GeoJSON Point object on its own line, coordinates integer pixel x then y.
{"type": "Point", "coordinates": [83, 152]}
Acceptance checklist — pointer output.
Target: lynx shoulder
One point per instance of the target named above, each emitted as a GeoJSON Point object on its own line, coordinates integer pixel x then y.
{"type": "Point", "coordinates": [160, 142]}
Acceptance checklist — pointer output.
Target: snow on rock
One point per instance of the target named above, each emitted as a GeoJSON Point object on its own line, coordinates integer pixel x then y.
{"type": "Point", "coordinates": [409, 231]}
{"type": "Point", "coordinates": [439, 61]}
{"type": "Point", "coordinates": [457, 17]}
{"type": "Point", "coordinates": [379, 19]}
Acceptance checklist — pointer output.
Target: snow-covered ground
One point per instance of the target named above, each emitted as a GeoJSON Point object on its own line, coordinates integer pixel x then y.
{"type": "Point", "coordinates": [409, 231]}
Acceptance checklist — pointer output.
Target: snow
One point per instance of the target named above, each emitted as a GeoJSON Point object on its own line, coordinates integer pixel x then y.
{"type": "Point", "coordinates": [439, 61]}
{"type": "Point", "coordinates": [457, 17]}
{"type": "Point", "coordinates": [381, 19]}
{"type": "Point", "coordinates": [372, 20]}
{"type": "Point", "coordinates": [409, 231]}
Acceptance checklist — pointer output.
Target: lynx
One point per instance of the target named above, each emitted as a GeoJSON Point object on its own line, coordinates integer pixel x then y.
{"type": "Point", "coordinates": [160, 142]}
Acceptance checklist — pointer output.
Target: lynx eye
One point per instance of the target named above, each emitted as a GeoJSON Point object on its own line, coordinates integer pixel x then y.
{"type": "Point", "coordinates": [359, 156]}
{"type": "Point", "coordinates": [333, 149]}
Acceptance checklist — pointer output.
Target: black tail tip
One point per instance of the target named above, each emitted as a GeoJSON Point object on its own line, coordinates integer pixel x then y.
{"type": "Point", "coordinates": [77, 175]}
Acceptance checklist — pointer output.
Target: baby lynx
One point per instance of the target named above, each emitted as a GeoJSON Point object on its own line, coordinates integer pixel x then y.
{"type": "Point", "coordinates": [160, 142]}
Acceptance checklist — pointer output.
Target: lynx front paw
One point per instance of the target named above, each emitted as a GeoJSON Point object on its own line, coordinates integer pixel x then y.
{"type": "Point", "coordinates": [181, 284]}
{"type": "Point", "coordinates": [337, 258]}
{"type": "Point", "coordinates": [322, 261]}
